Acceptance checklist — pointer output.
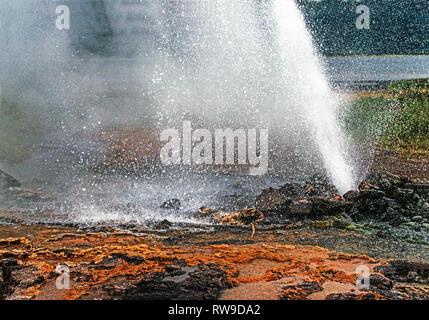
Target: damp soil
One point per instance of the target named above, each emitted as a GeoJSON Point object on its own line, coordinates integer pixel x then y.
{"type": "Point", "coordinates": [391, 161]}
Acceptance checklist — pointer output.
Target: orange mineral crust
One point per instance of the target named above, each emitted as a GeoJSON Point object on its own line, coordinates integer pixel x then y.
{"type": "Point", "coordinates": [115, 265]}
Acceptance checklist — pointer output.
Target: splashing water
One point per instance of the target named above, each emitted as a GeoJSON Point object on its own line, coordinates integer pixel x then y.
{"type": "Point", "coordinates": [301, 68]}
{"type": "Point", "coordinates": [217, 63]}
{"type": "Point", "coordinates": [242, 64]}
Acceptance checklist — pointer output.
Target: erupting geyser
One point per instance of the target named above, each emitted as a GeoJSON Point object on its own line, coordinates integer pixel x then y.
{"type": "Point", "coordinates": [245, 63]}
{"type": "Point", "coordinates": [303, 74]}
{"type": "Point", "coordinates": [219, 64]}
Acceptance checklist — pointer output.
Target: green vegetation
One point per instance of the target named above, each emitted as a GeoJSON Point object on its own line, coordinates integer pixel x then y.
{"type": "Point", "coordinates": [397, 118]}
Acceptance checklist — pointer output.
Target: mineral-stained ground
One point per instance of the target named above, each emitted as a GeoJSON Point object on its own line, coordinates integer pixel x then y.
{"type": "Point", "coordinates": [179, 264]}
{"type": "Point", "coordinates": [299, 241]}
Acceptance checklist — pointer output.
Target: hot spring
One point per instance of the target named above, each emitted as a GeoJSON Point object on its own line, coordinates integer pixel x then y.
{"type": "Point", "coordinates": [125, 66]}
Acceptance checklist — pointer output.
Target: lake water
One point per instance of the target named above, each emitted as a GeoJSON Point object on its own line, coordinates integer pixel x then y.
{"type": "Point", "coordinates": [377, 68]}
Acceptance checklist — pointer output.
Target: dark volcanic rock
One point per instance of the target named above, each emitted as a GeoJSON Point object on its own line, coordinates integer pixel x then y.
{"type": "Point", "coordinates": [401, 280]}
{"type": "Point", "coordinates": [351, 296]}
{"type": "Point", "coordinates": [329, 206]}
{"type": "Point", "coordinates": [406, 271]}
{"type": "Point", "coordinates": [133, 260]}
{"type": "Point", "coordinates": [6, 280]}
{"type": "Point", "coordinates": [379, 281]}
{"type": "Point", "coordinates": [163, 225]}
{"type": "Point", "coordinates": [171, 204]}
{"type": "Point", "coordinates": [7, 181]}
{"type": "Point", "coordinates": [299, 201]}
{"type": "Point", "coordinates": [352, 195]}
{"type": "Point", "coordinates": [270, 199]}
{"type": "Point", "coordinates": [299, 209]}
{"type": "Point", "coordinates": [381, 198]}
{"type": "Point", "coordinates": [205, 282]}
{"type": "Point", "coordinates": [108, 263]}
{"type": "Point", "coordinates": [385, 197]}
{"type": "Point", "coordinates": [15, 279]}
{"type": "Point", "coordinates": [179, 282]}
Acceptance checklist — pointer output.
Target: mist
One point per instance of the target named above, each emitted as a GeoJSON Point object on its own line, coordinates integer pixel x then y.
{"type": "Point", "coordinates": [125, 64]}
{"type": "Point", "coordinates": [58, 84]}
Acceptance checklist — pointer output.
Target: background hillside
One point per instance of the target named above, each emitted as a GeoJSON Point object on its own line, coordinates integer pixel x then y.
{"type": "Point", "coordinates": [396, 26]}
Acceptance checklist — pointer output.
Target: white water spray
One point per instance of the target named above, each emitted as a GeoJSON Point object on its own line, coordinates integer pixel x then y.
{"type": "Point", "coordinates": [302, 73]}
{"type": "Point", "coordinates": [219, 63]}
{"type": "Point", "coordinates": [247, 64]}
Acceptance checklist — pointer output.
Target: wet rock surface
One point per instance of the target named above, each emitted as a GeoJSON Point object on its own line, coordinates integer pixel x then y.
{"type": "Point", "coordinates": [384, 205]}
{"type": "Point", "coordinates": [300, 201]}
{"type": "Point", "coordinates": [381, 197]}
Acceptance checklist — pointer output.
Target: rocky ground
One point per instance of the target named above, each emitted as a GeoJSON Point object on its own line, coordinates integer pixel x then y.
{"type": "Point", "coordinates": [289, 244]}
{"type": "Point", "coordinates": [298, 241]}
{"type": "Point", "coordinates": [385, 206]}
{"type": "Point", "coordinates": [218, 265]}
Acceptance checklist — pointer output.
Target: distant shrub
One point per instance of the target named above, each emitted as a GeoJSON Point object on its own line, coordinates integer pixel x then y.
{"type": "Point", "coordinates": [397, 118]}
